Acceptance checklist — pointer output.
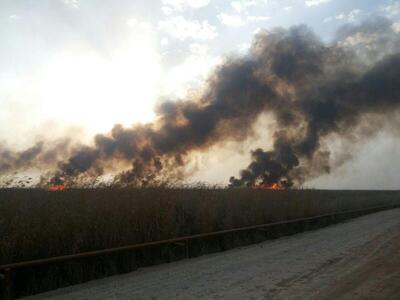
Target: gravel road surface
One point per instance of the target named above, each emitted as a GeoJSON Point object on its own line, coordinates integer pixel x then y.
{"type": "Point", "coordinates": [359, 259]}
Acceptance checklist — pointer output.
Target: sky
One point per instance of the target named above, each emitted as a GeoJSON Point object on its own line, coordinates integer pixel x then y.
{"type": "Point", "coordinates": [81, 66]}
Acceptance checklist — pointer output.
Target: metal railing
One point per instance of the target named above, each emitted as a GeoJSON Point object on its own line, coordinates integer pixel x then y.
{"type": "Point", "coordinates": [6, 270]}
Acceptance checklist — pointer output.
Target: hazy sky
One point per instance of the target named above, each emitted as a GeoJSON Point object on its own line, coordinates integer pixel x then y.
{"type": "Point", "coordinates": [88, 64]}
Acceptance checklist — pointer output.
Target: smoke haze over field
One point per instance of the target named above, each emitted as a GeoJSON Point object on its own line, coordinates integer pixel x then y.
{"type": "Point", "coordinates": [313, 92]}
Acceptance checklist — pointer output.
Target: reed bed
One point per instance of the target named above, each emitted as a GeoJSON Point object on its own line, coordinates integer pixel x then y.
{"type": "Point", "coordinates": [36, 223]}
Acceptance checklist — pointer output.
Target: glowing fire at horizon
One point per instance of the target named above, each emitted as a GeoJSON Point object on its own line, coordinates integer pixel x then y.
{"type": "Point", "coordinates": [269, 186]}
{"type": "Point", "coordinates": [56, 188]}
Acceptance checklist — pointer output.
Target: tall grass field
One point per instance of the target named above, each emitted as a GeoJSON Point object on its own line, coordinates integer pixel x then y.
{"type": "Point", "coordinates": [36, 223]}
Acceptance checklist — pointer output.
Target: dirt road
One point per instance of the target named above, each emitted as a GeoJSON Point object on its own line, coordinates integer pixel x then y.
{"type": "Point", "coordinates": [359, 259]}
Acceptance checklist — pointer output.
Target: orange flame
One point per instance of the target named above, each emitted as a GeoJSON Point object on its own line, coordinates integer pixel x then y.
{"type": "Point", "coordinates": [56, 188]}
{"type": "Point", "coordinates": [270, 186]}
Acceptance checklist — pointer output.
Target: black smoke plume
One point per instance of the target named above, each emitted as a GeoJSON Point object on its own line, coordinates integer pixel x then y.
{"type": "Point", "coordinates": [310, 88]}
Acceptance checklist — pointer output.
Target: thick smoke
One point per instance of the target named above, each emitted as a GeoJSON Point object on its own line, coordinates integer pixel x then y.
{"type": "Point", "coordinates": [311, 89]}
{"type": "Point", "coordinates": [41, 153]}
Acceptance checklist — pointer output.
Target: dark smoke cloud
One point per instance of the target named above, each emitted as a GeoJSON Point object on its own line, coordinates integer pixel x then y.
{"type": "Point", "coordinates": [311, 89]}
{"type": "Point", "coordinates": [343, 91]}
{"type": "Point", "coordinates": [371, 40]}
{"type": "Point", "coordinates": [41, 153]}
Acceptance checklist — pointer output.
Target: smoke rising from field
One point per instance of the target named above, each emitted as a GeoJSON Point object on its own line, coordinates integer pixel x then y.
{"type": "Point", "coordinates": [310, 88]}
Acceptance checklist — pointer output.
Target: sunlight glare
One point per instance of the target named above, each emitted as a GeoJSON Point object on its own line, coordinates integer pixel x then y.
{"type": "Point", "coordinates": [84, 88]}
